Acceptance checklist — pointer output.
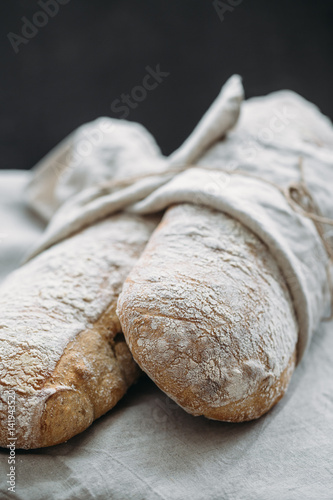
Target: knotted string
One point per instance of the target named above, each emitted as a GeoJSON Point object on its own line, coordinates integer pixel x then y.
{"type": "Point", "coordinates": [301, 200]}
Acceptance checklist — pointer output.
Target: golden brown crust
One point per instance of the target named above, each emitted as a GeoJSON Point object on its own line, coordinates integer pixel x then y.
{"type": "Point", "coordinates": [254, 405]}
{"type": "Point", "coordinates": [62, 352]}
{"type": "Point", "coordinates": [92, 392]}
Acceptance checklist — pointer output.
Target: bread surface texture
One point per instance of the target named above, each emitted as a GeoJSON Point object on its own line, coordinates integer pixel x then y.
{"type": "Point", "coordinates": [61, 350]}
{"type": "Point", "coordinates": [208, 316]}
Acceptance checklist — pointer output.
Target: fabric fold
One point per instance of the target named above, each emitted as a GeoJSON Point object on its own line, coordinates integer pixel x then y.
{"type": "Point", "coordinates": [237, 160]}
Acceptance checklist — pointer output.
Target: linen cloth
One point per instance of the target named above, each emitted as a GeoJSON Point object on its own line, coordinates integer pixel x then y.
{"type": "Point", "coordinates": [147, 447]}
{"type": "Point", "coordinates": [240, 172]}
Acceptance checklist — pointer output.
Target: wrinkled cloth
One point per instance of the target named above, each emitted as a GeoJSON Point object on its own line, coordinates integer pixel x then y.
{"type": "Point", "coordinates": [241, 165]}
{"type": "Point", "coordinates": [147, 448]}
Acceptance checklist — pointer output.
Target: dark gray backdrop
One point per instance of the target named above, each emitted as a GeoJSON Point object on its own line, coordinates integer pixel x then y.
{"type": "Point", "coordinates": [91, 52]}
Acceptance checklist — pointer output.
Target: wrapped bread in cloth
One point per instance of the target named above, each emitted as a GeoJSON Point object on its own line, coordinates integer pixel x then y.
{"type": "Point", "coordinates": [233, 282]}
{"type": "Point", "coordinates": [236, 277]}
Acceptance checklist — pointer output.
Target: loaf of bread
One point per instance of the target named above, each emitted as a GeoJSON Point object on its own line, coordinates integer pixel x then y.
{"type": "Point", "coordinates": [61, 347]}
{"type": "Point", "coordinates": [207, 315]}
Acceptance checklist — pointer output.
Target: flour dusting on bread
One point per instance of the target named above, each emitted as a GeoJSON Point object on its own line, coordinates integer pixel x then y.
{"type": "Point", "coordinates": [46, 307]}
{"type": "Point", "coordinates": [207, 314]}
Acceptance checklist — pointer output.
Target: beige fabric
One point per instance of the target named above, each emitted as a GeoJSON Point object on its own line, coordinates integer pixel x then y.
{"type": "Point", "coordinates": [147, 448]}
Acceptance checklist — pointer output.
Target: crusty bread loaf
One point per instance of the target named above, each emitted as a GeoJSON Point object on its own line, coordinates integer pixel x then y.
{"type": "Point", "coordinates": [208, 316]}
{"type": "Point", "coordinates": [61, 349]}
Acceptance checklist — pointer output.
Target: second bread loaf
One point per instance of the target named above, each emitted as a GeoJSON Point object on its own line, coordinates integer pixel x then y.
{"type": "Point", "coordinates": [62, 352]}
{"type": "Point", "coordinates": [208, 316]}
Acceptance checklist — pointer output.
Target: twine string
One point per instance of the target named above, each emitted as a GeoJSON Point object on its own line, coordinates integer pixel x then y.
{"type": "Point", "coordinates": [301, 200]}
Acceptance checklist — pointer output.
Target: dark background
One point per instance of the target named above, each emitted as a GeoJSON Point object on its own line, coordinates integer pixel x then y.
{"type": "Point", "coordinates": [92, 51]}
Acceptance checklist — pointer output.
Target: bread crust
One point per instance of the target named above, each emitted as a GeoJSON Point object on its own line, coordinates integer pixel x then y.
{"type": "Point", "coordinates": [61, 350]}
{"type": "Point", "coordinates": [208, 316]}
